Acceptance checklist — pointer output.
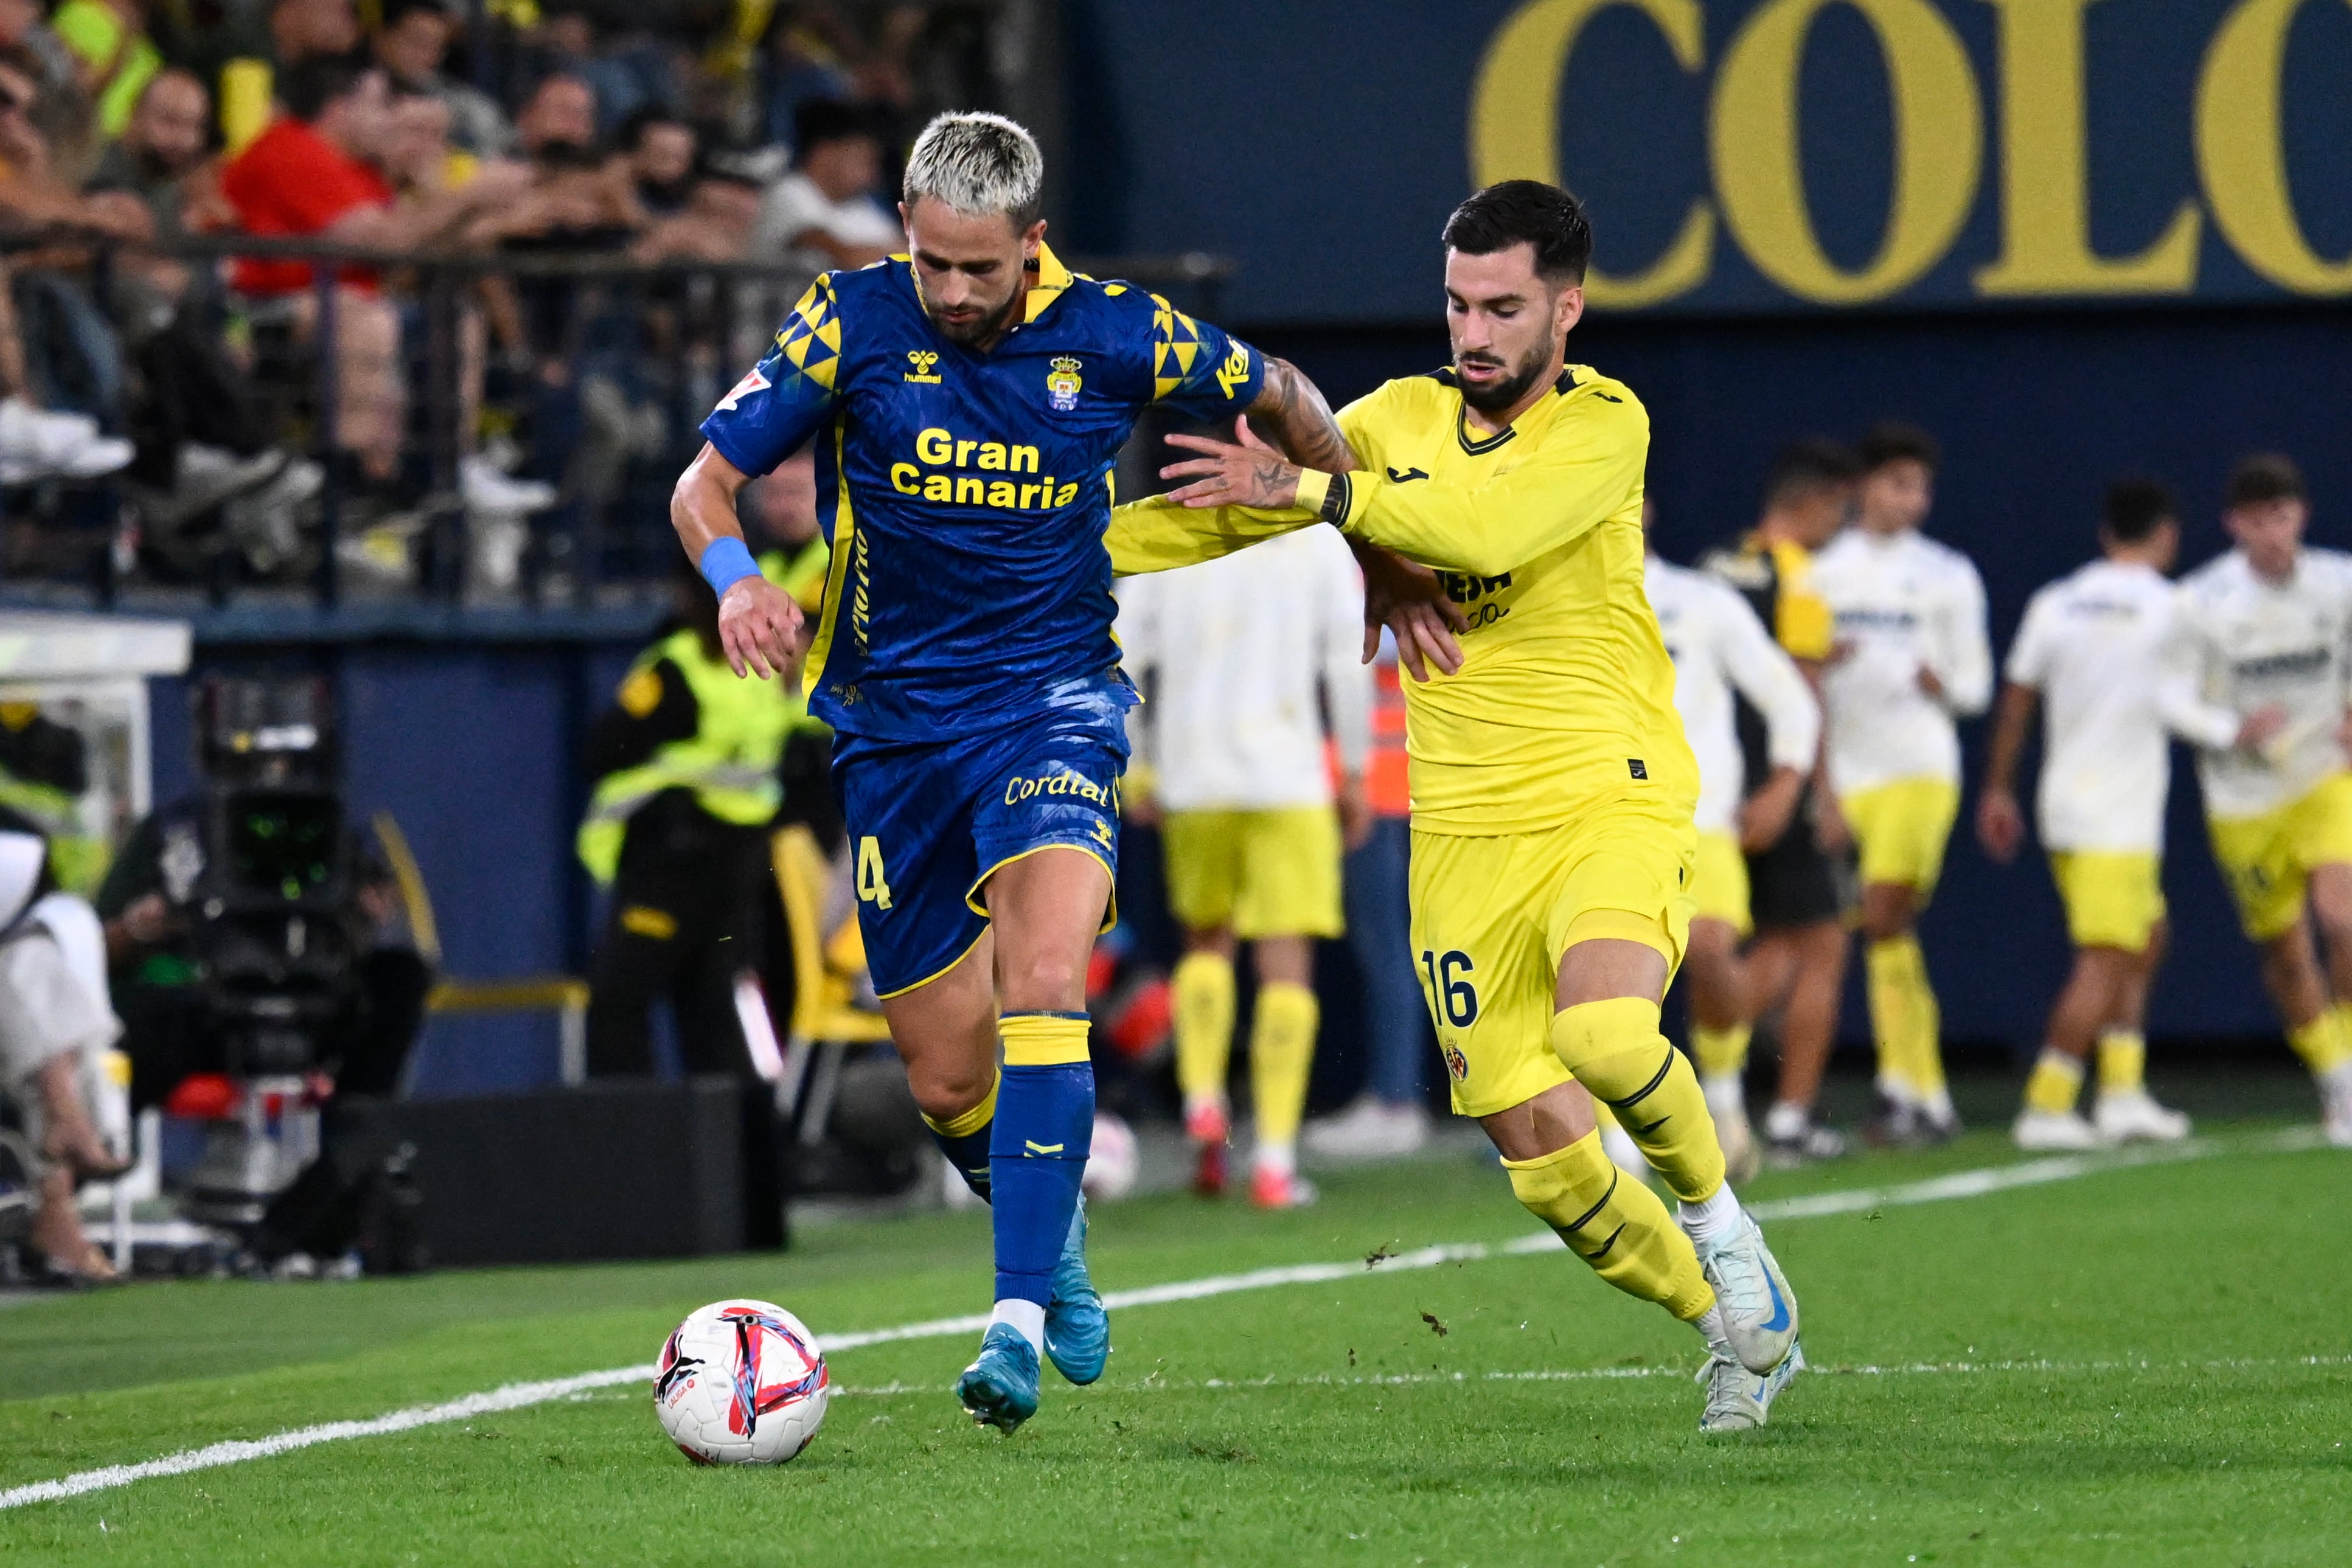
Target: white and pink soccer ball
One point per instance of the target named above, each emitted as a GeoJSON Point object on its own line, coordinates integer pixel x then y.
{"type": "Point", "coordinates": [1112, 1168]}
{"type": "Point", "coordinates": [741, 1382]}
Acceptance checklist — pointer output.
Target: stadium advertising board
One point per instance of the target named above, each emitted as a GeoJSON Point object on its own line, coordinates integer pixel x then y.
{"type": "Point", "coordinates": [1743, 156]}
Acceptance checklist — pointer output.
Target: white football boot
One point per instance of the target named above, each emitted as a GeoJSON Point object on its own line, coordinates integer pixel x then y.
{"type": "Point", "coordinates": [1739, 1400]}
{"type": "Point", "coordinates": [2052, 1131]}
{"type": "Point", "coordinates": [2335, 1104]}
{"type": "Point", "coordinates": [2132, 1113]}
{"type": "Point", "coordinates": [1755, 1312]}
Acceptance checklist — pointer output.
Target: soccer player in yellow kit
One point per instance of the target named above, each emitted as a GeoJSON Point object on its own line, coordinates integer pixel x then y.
{"type": "Point", "coordinates": [1552, 788]}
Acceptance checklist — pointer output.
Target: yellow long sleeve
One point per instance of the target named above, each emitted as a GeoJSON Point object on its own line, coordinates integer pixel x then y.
{"type": "Point", "coordinates": [1159, 535]}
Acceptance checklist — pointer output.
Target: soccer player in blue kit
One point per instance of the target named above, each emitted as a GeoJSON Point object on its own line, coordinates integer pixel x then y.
{"type": "Point", "coordinates": [969, 400]}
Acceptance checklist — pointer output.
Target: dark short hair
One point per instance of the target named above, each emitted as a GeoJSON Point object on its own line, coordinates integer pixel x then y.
{"type": "Point", "coordinates": [1526, 212]}
{"type": "Point", "coordinates": [632, 134]}
{"type": "Point", "coordinates": [1891, 440]}
{"type": "Point", "coordinates": [2136, 507]}
{"type": "Point", "coordinates": [2266, 477]}
{"type": "Point", "coordinates": [306, 87]}
{"type": "Point", "coordinates": [395, 12]}
{"type": "Point", "coordinates": [820, 119]}
{"type": "Point", "coordinates": [1803, 467]}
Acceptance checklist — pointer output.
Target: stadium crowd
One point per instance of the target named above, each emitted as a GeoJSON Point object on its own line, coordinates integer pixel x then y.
{"type": "Point", "coordinates": [687, 137]}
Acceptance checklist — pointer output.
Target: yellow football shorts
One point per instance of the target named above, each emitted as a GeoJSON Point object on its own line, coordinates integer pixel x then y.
{"type": "Point", "coordinates": [1493, 916]}
{"type": "Point", "coordinates": [1720, 883]}
{"type": "Point", "coordinates": [2114, 898]}
{"type": "Point", "coordinates": [2268, 860]}
{"type": "Point", "coordinates": [1901, 829]}
{"type": "Point", "coordinates": [1272, 872]}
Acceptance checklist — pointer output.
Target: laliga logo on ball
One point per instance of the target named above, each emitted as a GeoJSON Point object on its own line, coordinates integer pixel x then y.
{"type": "Point", "coordinates": [741, 1382]}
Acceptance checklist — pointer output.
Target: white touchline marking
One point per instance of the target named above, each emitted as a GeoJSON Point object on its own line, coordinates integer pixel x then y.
{"type": "Point", "coordinates": [518, 1395]}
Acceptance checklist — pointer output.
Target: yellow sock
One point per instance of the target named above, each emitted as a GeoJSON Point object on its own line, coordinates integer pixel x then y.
{"type": "Point", "coordinates": [2057, 1079]}
{"type": "Point", "coordinates": [1616, 1051]}
{"type": "Point", "coordinates": [1887, 967]}
{"type": "Point", "coordinates": [2321, 1042]}
{"type": "Point", "coordinates": [1721, 1053]}
{"type": "Point", "coordinates": [1282, 1051]}
{"type": "Point", "coordinates": [1204, 1025]}
{"type": "Point", "coordinates": [1928, 1022]}
{"type": "Point", "coordinates": [2343, 1014]}
{"type": "Point", "coordinates": [2122, 1061]}
{"type": "Point", "coordinates": [1617, 1226]}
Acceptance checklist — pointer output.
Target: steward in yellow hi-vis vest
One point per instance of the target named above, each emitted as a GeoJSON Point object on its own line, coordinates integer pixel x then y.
{"type": "Point", "coordinates": [685, 765]}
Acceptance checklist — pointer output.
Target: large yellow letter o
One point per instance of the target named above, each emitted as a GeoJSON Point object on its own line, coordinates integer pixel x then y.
{"type": "Point", "coordinates": [2241, 157]}
{"type": "Point", "coordinates": [1938, 134]}
{"type": "Point", "coordinates": [1515, 122]}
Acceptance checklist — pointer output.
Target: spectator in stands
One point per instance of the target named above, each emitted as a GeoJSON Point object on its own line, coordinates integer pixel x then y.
{"type": "Point", "coordinates": [116, 57]}
{"type": "Point", "coordinates": [805, 48]}
{"type": "Point", "coordinates": [411, 45]}
{"type": "Point", "coordinates": [55, 1023]}
{"type": "Point", "coordinates": [421, 159]}
{"type": "Point", "coordinates": [303, 30]}
{"type": "Point", "coordinates": [254, 49]}
{"type": "Point", "coordinates": [660, 148]}
{"type": "Point", "coordinates": [196, 417]}
{"type": "Point", "coordinates": [63, 113]}
{"type": "Point", "coordinates": [55, 347]}
{"type": "Point", "coordinates": [315, 171]}
{"type": "Point", "coordinates": [824, 211]}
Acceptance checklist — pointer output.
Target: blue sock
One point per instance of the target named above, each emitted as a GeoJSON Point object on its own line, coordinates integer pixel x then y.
{"type": "Point", "coordinates": [1037, 1149]}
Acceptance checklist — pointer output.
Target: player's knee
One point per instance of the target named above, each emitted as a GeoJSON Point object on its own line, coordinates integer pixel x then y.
{"type": "Point", "coordinates": [1044, 982]}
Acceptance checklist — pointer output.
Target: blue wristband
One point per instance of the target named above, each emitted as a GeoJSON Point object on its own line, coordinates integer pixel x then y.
{"type": "Point", "coordinates": [727, 562]}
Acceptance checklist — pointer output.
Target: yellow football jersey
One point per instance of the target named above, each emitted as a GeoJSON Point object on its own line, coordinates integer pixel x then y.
{"type": "Point", "coordinates": [1565, 691]}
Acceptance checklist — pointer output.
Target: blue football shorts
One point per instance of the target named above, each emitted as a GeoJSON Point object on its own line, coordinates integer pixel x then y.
{"type": "Point", "coordinates": [929, 821]}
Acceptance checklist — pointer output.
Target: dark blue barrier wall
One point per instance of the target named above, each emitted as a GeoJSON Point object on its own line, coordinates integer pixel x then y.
{"type": "Point", "coordinates": [2035, 414]}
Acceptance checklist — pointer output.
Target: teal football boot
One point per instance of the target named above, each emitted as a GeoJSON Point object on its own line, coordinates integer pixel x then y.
{"type": "Point", "coordinates": [1000, 1387]}
{"type": "Point", "coordinates": [1078, 1327]}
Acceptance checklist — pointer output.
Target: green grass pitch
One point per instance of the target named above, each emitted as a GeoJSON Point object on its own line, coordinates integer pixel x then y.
{"type": "Point", "coordinates": [2146, 1365]}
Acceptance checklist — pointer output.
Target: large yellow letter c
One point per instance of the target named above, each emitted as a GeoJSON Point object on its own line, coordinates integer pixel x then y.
{"type": "Point", "coordinates": [1515, 127]}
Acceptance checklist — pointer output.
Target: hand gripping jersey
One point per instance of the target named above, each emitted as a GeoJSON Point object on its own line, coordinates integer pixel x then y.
{"type": "Point", "coordinates": [2241, 644]}
{"type": "Point", "coordinates": [1238, 648]}
{"type": "Point", "coordinates": [1565, 694]}
{"type": "Point", "coordinates": [2092, 643]}
{"type": "Point", "coordinates": [1718, 645]}
{"type": "Point", "coordinates": [965, 495]}
{"type": "Point", "coordinates": [1901, 603]}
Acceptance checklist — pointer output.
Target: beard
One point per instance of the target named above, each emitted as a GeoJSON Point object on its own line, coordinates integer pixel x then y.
{"type": "Point", "coordinates": [980, 329]}
{"type": "Point", "coordinates": [1496, 396]}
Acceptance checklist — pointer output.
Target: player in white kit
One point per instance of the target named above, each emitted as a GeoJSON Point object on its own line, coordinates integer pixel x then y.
{"type": "Point", "coordinates": [1242, 658]}
{"type": "Point", "coordinates": [1718, 644]}
{"type": "Point", "coordinates": [1911, 657]}
{"type": "Point", "coordinates": [2258, 679]}
{"type": "Point", "coordinates": [2089, 654]}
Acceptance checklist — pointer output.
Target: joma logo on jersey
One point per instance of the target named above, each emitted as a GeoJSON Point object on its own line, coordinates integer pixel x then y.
{"type": "Point", "coordinates": [923, 361]}
{"type": "Point", "coordinates": [1464, 589]}
{"type": "Point", "coordinates": [938, 448]}
{"type": "Point", "coordinates": [1063, 783]}
{"type": "Point", "coordinates": [1063, 384]}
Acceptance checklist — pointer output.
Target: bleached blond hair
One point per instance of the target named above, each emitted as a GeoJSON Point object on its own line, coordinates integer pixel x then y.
{"type": "Point", "coordinates": [978, 164]}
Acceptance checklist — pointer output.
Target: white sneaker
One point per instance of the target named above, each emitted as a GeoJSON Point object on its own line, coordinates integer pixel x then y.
{"type": "Point", "coordinates": [2045, 1132]}
{"type": "Point", "coordinates": [2134, 1113]}
{"type": "Point", "coordinates": [36, 443]}
{"type": "Point", "coordinates": [487, 489]}
{"type": "Point", "coordinates": [1370, 1129]}
{"type": "Point", "coordinates": [1755, 1312]}
{"type": "Point", "coordinates": [2336, 1105]}
{"type": "Point", "coordinates": [1739, 1400]}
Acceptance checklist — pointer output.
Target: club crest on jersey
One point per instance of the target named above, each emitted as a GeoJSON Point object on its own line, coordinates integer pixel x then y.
{"type": "Point", "coordinates": [924, 363]}
{"type": "Point", "coordinates": [1456, 1064]}
{"type": "Point", "coordinates": [752, 383]}
{"type": "Point", "coordinates": [1063, 384]}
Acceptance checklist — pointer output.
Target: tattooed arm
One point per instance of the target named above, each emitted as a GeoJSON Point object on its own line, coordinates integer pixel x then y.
{"type": "Point", "coordinates": [1291, 416]}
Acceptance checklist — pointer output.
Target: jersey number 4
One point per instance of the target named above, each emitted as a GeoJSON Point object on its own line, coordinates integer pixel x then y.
{"type": "Point", "coordinates": [873, 883]}
{"type": "Point", "coordinates": [1452, 997]}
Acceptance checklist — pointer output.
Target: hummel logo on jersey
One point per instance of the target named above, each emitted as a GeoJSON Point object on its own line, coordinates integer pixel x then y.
{"type": "Point", "coordinates": [923, 360]}
{"type": "Point", "coordinates": [753, 382]}
{"type": "Point", "coordinates": [1408, 475]}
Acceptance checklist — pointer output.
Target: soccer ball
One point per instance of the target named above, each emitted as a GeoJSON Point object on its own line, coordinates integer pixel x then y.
{"type": "Point", "coordinates": [740, 1383]}
{"type": "Point", "coordinates": [1111, 1165]}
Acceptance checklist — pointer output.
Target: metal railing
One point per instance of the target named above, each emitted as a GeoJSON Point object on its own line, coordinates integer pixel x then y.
{"type": "Point", "coordinates": [666, 336]}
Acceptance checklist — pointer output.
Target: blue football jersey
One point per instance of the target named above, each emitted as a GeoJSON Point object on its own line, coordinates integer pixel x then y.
{"type": "Point", "coordinates": [966, 495]}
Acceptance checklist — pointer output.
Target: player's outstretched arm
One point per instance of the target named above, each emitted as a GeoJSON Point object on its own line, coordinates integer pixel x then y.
{"type": "Point", "coordinates": [1291, 416]}
{"type": "Point", "coordinates": [758, 625]}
